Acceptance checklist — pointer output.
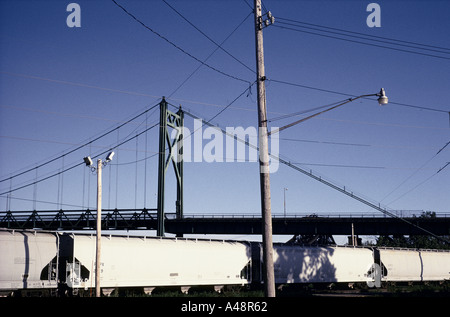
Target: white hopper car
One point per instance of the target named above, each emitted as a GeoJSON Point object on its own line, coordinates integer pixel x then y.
{"type": "Point", "coordinates": [149, 262]}
{"type": "Point", "coordinates": [372, 265]}
{"type": "Point", "coordinates": [27, 260]}
{"type": "Point", "coordinates": [37, 260]}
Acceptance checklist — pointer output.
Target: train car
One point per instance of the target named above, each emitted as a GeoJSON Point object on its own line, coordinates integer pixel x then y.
{"type": "Point", "coordinates": [302, 264]}
{"type": "Point", "coordinates": [148, 262]}
{"type": "Point", "coordinates": [414, 264]}
{"type": "Point", "coordinates": [28, 260]}
{"type": "Point", "coordinates": [40, 261]}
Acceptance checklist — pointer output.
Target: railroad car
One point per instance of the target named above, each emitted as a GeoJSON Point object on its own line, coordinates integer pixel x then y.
{"type": "Point", "coordinates": [28, 260]}
{"type": "Point", "coordinates": [149, 262]}
{"type": "Point", "coordinates": [411, 265]}
{"type": "Point", "coordinates": [64, 263]}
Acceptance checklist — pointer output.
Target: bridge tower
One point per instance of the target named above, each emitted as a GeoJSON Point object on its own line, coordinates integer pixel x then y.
{"type": "Point", "coordinates": [176, 122]}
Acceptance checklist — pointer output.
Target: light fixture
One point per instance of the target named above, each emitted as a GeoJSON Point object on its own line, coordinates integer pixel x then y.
{"type": "Point", "coordinates": [382, 100]}
{"type": "Point", "coordinates": [109, 157]}
{"type": "Point", "coordinates": [87, 161]}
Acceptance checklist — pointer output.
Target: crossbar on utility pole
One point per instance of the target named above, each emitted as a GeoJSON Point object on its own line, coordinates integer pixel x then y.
{"type": "Point", "coordinates": [269, 276]}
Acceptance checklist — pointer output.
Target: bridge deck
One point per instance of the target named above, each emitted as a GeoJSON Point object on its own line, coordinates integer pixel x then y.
{"type": "Point", "coordinates": [364, 224]}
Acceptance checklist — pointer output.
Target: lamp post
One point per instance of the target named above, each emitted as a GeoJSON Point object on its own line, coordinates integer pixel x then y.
{"type": "Point", "coordinates": [100, 164]}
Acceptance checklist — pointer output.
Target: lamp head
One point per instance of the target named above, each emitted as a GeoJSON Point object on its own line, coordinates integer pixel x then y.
{"type": "Point", "coordinates": [382, 99]}
{"type": "Point", "coordinates": [87, 161]}
{"type": "Point", "coordinates": [109, 157]}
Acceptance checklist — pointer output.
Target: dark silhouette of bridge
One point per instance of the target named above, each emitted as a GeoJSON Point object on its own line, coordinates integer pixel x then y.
{"type": "Point", "coordinates": [147, 219]}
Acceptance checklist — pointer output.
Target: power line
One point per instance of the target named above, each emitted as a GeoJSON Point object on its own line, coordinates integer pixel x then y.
{"type": "Point", "coordinates": [290, 115]}
{"type": "Point", "coordinates": [358, 144]}
{"type": "Point", "coordinates": [298, 28]}
{"type": "Point", "coordinates": [324, 181]}
{"type": "Point", "coordinates": [65, 82]}
{"type": "Point", "coordinates": [370, 37]}
{"type": "Point", "coordinates": [352, 95]}
{"type": "Point", "coordinates": [212, 53]}
{"type": "Point", "coordinates": [219, 46]}
{"type": "Point", "coordinates": [234, 100]}
{"type": "Point", "coordinates": [420, 184]}
{"type": "Point", "coordinates": [176, 46]}
{"type": "Point", "coordinates": [410, 176]}
{"type": "Point", "coordinates": [442, 168]}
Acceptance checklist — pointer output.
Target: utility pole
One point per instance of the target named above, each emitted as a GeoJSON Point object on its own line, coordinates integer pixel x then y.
{"type": "Point", "coordinates": [99, 228]}
{"type": "Point", "coordinates": [269, 276]}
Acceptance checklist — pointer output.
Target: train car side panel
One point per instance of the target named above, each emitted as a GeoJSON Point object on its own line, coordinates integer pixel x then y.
{"type": "Point", "coordinates": [296, 264]}
{"type": "Point", "coordinates": [435, 265]}
{"type": "Point", "coordinates": [148, 261]}
{"type": "Point", "coordinates": [28, 260]}
{"type": "Point", "coordinates": [401, 265]}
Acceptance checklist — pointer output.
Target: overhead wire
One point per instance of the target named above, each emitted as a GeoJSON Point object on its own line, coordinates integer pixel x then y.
{"type": "Point", "coordinates": [268, 79]}
{"type": "Point", "coordinates": [219, 46]}
{"type": "Point", "coordinates": [322, 180]}
{"type": "Point", "coordinates": [65, 82]}
{"type": "Point", "coordinates": [290, 115]}
{"type": "Point", "coordinates": [284, 82]}
{"type": "Point", "coordinates": [298, 28]}
{"type": "Point", "coordinates": [177, 46]}
{"type": "Point", "coordinates": [371, 37]}
{"type": "Point", "coordinates": [212, 53]}
{"type": "Point", "coordinates": [413, 174]}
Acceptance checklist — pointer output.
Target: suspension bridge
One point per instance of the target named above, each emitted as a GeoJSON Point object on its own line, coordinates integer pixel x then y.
{"type": "Point", "coordinates": [170, 152]}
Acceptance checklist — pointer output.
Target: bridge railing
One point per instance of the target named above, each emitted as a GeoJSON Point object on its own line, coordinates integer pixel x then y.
{"type": "Point", "coordinates": [405, 214]}
{"type": "Point", "coordinates": [131, 218]}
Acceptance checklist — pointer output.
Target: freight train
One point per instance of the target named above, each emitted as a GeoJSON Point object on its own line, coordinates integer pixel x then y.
{"type": "Point", "coordinates": [64, 263]}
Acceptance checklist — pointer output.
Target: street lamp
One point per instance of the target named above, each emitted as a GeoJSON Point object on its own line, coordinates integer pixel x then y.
{"type": "Point", "coordinates": [100, 164]}
{"type": "Point", "coordinates": [382, 100]}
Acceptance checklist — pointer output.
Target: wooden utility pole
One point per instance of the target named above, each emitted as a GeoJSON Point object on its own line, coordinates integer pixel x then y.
{"type": "Point", "coordinates": [99, 228]}
{"type": "Point", "coordinates": [269, 276]}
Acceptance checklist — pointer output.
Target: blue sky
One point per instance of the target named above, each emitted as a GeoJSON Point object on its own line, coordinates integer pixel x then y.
{"type": "Point", "coordinates": [61, 87]}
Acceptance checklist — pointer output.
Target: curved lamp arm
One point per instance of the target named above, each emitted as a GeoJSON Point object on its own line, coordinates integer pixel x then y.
{"type": "Point", "coordinates": [382, 100]}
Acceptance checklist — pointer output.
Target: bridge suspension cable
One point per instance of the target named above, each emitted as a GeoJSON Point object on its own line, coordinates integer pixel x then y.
{"type": "Point", "coordinates": [75, 165]}
{"type": "Point", "coordinates": [79, 147]}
